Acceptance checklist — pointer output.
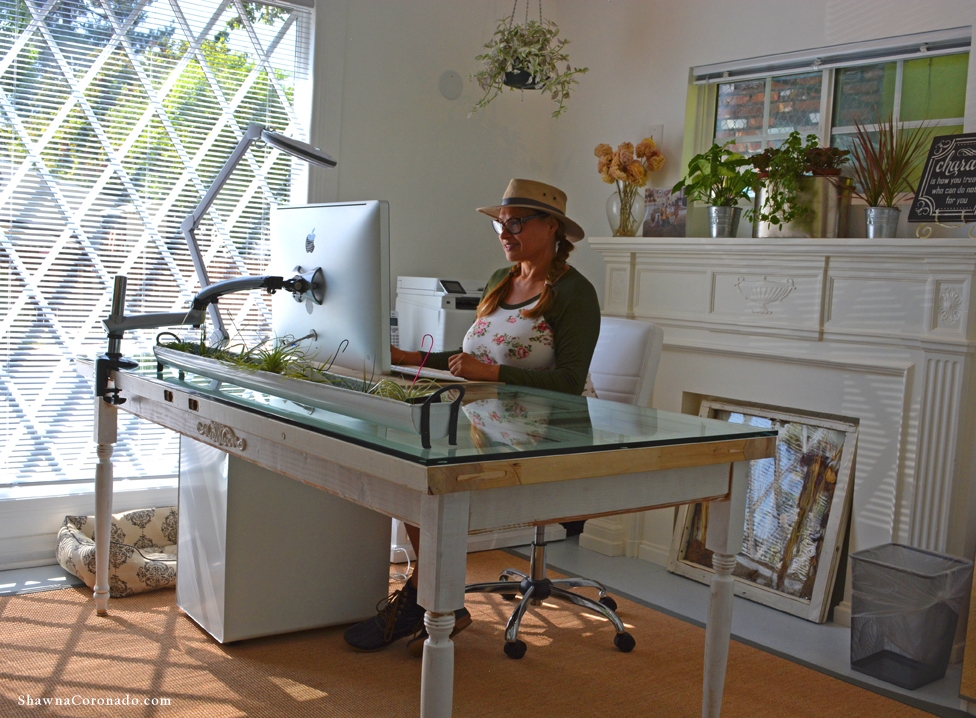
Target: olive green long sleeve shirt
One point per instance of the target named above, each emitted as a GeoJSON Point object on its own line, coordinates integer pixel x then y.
{"type": "Point", "coordinates": [575, 320]}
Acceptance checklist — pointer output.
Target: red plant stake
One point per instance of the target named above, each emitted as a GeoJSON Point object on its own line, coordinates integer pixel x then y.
{"type": "Point", "coordinates": [424, 360]}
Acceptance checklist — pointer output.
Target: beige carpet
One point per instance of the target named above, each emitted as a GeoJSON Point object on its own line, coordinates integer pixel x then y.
{"type": "Point", "coordinates": [52, 645]}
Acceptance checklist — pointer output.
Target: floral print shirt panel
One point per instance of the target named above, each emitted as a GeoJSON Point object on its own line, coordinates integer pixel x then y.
{"type": "Point", "coordinates": [507, 336]}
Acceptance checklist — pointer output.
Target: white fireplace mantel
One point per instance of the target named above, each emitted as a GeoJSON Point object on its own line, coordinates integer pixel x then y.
{"type": "Point", "coordinates": [882, 331]}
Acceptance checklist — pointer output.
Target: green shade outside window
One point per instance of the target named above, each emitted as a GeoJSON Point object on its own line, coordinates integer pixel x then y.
{"type": "Point", "coordinates": [934, 88]}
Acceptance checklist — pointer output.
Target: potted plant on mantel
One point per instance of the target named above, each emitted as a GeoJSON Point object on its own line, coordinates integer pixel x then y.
{"type": "Point", "coordinates": [882, 169]}
{"type": "Point", "coordinates": [720, 178]}
{"type": "Point", "coordinates": [526, 57]}
{"type": "Point", "coordinates": [801, 192]}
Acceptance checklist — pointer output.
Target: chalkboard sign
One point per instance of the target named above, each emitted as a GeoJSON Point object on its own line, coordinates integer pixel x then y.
{"type": "Point", "coordinates": [947, 189]}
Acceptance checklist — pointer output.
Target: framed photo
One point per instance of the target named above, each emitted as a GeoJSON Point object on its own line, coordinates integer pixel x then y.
{"type": "Point", "coordinates": [665, 213]}
{"type": "Point", "coordinates": [797, 509]}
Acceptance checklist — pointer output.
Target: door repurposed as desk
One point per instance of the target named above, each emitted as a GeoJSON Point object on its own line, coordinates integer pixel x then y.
{"type": "Point", "coordinates": [523, 457]}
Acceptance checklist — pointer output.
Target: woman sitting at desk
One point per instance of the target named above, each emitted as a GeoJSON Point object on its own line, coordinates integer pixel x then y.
{"type": "Point", "coordinates": [537, 325]}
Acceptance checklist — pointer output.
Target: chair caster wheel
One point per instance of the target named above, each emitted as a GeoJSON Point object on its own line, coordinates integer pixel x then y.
{"type": "Point", "coordinates": [507, 596]}
{"type": "Point", "coordinates": [623, 641]}
{"type": "Point", "coordinates": [609, 603]}
{"type": "Point", "coordinates": [516, 649]}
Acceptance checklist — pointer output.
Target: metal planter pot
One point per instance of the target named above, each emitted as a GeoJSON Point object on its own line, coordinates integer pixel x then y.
{"type": "Point", "coordinates": [723, 221]}
{"type": "Point", "coordinates": [829, 201]}
{"type": "Point", "coordinates": [881, 222]}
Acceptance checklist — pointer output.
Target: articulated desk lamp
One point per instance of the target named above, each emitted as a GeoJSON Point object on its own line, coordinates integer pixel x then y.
{"type": "Point", "coordinates": [310, 285]}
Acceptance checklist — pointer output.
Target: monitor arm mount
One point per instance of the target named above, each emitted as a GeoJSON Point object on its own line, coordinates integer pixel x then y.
{"type": "Point", "coordinates": [308, 286]}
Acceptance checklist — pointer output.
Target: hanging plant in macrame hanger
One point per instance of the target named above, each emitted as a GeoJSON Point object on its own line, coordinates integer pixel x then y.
{"type": "Point", "coordinates": [526, 57]}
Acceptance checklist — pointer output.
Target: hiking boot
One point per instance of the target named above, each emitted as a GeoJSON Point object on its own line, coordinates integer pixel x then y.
{"type": "Point", "coordinates": [415, 646]}
{"type": "Point", "coordinates": [397, 616]}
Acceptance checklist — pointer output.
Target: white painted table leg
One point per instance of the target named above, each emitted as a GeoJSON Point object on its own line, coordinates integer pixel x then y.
{"type": "Point", "coordinates": [441, 563]}
{"type": "Point", "coordinates": [437, 684]}
{"type": "Point", "coordinates": [718, 632]}
{"type": "Point", "coordinates": [726, 522]}
{"type": "Point", "coordinates": [106, 434]}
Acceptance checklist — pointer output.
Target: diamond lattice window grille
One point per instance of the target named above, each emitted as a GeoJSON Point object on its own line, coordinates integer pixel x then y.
{"type": "Point", "coordinates": [115, 115]}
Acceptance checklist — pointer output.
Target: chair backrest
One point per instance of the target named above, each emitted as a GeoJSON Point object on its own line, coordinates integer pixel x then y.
{"type": "Point", "coordinates": [625, 361]}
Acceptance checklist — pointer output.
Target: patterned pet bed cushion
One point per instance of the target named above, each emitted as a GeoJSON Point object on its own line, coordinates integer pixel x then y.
{"type": "Point", "coordinates": [142, 555]}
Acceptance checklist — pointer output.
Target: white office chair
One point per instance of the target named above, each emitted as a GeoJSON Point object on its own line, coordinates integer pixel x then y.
{"type": "Point", "coordinates": [623, 369]}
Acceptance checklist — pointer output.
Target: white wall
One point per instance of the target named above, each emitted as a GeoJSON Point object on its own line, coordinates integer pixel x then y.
{"type": "Point", "coordinates": [402, 141]}
{"type": "Point", "coordinates": [397, 138]}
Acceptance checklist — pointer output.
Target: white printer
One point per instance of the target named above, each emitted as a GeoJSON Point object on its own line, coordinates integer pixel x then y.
{"type": "Point", "coordinates": [443, 308]}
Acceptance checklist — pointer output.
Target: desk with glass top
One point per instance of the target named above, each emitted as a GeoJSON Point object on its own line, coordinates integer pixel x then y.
{"type": "Point", "coordinates": [523, 457]}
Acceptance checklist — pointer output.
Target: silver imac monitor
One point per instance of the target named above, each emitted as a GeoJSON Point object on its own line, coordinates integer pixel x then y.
{"type": "Point", "coordinates": [350, 241]}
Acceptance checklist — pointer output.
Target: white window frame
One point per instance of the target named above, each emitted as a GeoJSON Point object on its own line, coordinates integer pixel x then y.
{"type": "Point", "coordinates": [705, 78]}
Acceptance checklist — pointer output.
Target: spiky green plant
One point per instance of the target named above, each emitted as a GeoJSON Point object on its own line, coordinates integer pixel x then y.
{"type": "Point", "coordinates": [882, 168]}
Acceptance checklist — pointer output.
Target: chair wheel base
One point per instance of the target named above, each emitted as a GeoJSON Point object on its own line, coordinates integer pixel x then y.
{"type": "Point", "coordinates": [623, 641]}
{"type": "Point", "coordinates": [516, 649]}
{"type": "Point", "coordinates": [609, 603]}
{"type": "Point", "coordinates": [506, 596]}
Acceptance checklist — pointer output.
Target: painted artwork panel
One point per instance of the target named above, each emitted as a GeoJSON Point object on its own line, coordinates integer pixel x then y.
{"type": "Point", "coordinates": [788, 504]}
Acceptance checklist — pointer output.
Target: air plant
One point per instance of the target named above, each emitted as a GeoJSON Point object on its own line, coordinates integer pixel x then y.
{"type": "Point", "coordinates": [882, 169]}
{"type": "Point", "coordinates": [391, 389]}
{"type": "Point", "coordinates": [286, 357]}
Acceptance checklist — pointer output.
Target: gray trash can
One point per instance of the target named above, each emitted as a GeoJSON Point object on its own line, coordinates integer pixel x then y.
{"type": "Point", "coordinates": [906, 603]}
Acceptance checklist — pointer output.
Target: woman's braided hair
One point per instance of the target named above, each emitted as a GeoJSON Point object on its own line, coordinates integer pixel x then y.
{"type": "Point", "coordinates": [558, 267]}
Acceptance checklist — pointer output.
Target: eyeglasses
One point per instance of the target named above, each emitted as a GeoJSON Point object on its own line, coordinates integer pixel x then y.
{"type": "Point", "coordinates": [513, 225]}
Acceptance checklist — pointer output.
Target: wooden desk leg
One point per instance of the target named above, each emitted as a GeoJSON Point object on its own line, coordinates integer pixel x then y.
{"type": "Point", "coordinates": [442, 563]}
{"type": "Point", "coordinates": [726, 522]}
{"type": "Point", "coordinates": [106, 434]}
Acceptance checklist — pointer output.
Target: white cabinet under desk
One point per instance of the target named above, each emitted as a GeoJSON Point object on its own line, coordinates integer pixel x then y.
{"type": "Point", "coordinates": [263, 554]}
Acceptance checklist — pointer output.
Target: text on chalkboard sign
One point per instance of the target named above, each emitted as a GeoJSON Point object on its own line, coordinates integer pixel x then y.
{"type": "Point", "coordinates": [947, 189]}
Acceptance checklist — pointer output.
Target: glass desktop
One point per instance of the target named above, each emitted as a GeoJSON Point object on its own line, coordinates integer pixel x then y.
{"type": "Point", "coordinates": [497, 421]}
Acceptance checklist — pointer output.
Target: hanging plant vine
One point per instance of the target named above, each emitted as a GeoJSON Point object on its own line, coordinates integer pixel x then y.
{"type": "Point", "coordinates": [526, 57]}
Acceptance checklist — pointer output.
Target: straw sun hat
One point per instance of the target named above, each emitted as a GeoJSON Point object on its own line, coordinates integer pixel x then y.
{"type": "Point", "coordinates": [537, 195]}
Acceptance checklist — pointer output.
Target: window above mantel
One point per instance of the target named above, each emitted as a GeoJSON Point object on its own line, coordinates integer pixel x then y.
{"type": "Point", "coordinates": [870, 52]}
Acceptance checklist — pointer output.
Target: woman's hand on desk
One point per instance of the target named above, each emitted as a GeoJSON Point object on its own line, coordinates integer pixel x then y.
{"type": "Point", "coordinates": [466, 366]}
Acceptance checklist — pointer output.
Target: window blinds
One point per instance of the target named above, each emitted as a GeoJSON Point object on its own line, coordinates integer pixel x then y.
{"type": "Point", "coordinates": [115, 115]}
{"type": "Point", "coordinates": [903, 47]}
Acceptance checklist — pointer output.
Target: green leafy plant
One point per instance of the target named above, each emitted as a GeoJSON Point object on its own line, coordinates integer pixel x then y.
{"type": "Point", "coordinates": [882, 168]}
{"type": "Point", "coordinates": [825, 160]}
{"type": "Point", "coordinates": [526, 57]}
{"type": "Point", "coordinates": [719, 177]}
{"type": "Point", "coordinates": [780, 169]}
{"type": "Point", "coordinates": [783, 166]}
